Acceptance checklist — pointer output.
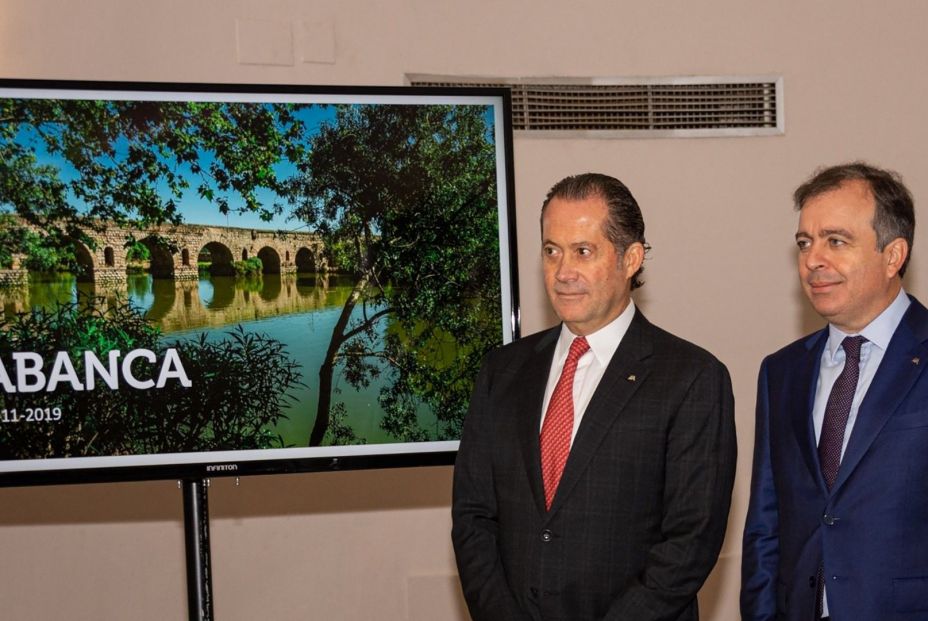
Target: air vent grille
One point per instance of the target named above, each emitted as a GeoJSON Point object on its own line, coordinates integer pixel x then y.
{"type": "Point", "coordinates": [658, 106]}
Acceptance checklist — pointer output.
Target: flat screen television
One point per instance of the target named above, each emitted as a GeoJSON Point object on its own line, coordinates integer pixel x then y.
{"type": "Point", "coordinates": [210, 280]}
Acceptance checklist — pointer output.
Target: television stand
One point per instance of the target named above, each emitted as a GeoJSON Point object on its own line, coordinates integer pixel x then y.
{"type": "Point", "coordinates": [196, 537]}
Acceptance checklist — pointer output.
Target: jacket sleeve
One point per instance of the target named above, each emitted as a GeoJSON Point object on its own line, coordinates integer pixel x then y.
{"type": "Point", "coordinates": [474, 513]}
{"type": "Point", "coordinates": [701, 455]}
{"type": "Point", "coordinates": [761, 547]}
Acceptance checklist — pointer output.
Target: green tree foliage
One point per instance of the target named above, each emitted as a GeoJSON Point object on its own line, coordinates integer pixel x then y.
{"type": "Point", "coordinates": [137, 256]}
{"type": "Point", "coordinates": [8, 241]}
{"type": "Point", "coordinates": [243, 381]}
{"type": "Point", "coordinates": [129, 162]}
{"type": "Point", "coordinates": [240, 386]}
{"type": "Point", "coordinates": [406, 196]}
{"type": "Point", "coordinates": [137, 251]}
{"type": "Point", "coordinates": [42, 252]}
{"type": "Point", "coordinates": [250, 267]}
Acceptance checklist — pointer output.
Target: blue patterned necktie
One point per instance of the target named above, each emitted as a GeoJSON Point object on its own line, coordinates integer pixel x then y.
{"type": "Point", "coordinates": [838, 409]}
{"type": "Point", "coordinates": [831, 440]}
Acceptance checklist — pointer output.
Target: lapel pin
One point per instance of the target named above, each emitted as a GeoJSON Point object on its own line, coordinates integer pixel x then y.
{"type": "Point", "coordinates": [916, 360]}
{"type": "Point", "coordinates": [632, 378]}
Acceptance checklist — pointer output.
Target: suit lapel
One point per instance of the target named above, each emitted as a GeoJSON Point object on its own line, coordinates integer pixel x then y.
{"type": "Point", "coordinates": [801, 399]}
{"type": "Point", "coordinates": [609, 399]}
{"type": "Point", "coordinates": [893, 380]}
{"type": "Point", "coordinates": [531, 388]}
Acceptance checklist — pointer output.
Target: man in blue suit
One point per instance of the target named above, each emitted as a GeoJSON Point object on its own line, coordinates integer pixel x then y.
{"type": "Point", "coordinates": [837, 525]}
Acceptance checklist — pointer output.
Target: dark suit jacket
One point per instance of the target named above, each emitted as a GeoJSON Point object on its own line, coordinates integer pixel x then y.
{"type": "Point", "coordinates": [641, 509]}
{"type": "Point", "coordinates": [872, 527]}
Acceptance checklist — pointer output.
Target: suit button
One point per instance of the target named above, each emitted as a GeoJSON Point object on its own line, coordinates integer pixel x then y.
{"type": "Point", "coordinates": [829, 519]}
{"type": "Point", "coordinates": [546, 536]}
{"type": "Point", "coordinates": [533, 591]}
{"type": "Point", "coordinates": [812, 582]}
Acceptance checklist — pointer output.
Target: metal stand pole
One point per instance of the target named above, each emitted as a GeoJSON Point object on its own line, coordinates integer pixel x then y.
{"type": "Point", "coordinates": [196, 535]}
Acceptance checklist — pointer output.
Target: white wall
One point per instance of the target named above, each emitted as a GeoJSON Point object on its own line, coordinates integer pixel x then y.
{"type": "Point", "coordinates": [718, 213]}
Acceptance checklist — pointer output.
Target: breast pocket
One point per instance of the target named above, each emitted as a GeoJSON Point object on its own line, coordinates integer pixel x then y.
{"type": "Point", "coordinates": [910, 594]}
{"type": "Point", "coordinates": [902, 421]}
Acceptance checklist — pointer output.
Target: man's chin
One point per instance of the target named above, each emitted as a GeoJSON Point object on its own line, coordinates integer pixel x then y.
{"type": "Point", "coordinates": [827, 309]}
{"type": "Point", "coordinates": [569, 312]}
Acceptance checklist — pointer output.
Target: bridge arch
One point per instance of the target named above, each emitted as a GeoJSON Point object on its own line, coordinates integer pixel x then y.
{"type": "Point", "coordinates": [161, 262]}
{"type": "Point", "coordinates": [219, 256]}
{"type": "Point", "coordinates": [85, 262]}
{"type": "Point", "coordinates": [270, 260]}
{"type": "Point", "coordinates": [306, 260]}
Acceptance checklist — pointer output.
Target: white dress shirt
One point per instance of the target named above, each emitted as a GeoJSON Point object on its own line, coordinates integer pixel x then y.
{"type": "Point", "coordinates": [878, 334]}
{"type": "Point", "coordinates": [590, 367]}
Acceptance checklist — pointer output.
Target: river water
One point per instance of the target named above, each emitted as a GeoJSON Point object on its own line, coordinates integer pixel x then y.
{"type": "Point", "coordinates": [299, 310]}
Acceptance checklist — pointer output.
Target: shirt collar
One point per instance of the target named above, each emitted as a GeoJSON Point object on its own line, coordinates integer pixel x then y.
{"type": "Point", "coordinates": [879, 331]}
{"type": "Point", "coordinates": [604, 341]}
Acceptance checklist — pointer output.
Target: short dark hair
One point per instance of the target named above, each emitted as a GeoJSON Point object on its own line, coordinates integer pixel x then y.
{"type": "Point", "coordinates": [894, 215]}
{"type": "Point", "coordinates": [624, 224]}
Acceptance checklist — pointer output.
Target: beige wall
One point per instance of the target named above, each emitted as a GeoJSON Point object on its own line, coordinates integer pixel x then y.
{"type": "Point", "coordinates": [374, 545]}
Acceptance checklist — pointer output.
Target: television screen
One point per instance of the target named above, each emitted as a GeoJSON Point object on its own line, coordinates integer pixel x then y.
{"type": "Point", "coordinates": [202, 280]}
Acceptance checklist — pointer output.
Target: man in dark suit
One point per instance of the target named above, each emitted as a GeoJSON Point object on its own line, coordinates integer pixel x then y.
{"type": "Point", "coordinates": [837, 525]}
{"type": "Point", "coordinates": [595, 470]}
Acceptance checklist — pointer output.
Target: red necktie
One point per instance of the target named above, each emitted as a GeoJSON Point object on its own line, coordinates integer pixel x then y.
{"type": "Point", "coordinates": [559, 422]}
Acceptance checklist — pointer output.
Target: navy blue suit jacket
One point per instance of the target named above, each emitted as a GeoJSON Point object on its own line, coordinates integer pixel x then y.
{"type": "Point", "coordinates": [871, 528]}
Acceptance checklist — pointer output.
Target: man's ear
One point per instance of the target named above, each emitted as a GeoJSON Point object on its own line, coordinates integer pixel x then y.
{"type": "Point", "coordinates": [895, 253]}
{"type": "Point", "coordinates": [632, 259]}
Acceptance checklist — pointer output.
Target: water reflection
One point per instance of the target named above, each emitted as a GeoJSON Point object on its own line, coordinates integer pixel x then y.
{"type": "Point", "coordinates": [179, 306]}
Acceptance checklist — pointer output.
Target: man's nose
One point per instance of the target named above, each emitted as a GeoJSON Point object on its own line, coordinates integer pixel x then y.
{"type": "Point", "coordinates": [566, 270]}
{"type": "Point", "coordinates": [814, 258]}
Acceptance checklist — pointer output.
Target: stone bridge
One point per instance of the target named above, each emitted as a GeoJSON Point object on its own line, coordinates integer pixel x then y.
{"type": "Point", "coordinates": [174, 251]}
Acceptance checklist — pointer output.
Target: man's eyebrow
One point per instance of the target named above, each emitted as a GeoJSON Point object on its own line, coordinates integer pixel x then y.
{"type": "Point", "coordinates": [576, 244]}
{"type": "Point", "coordinates": [826, 233]}
{"type": "Point", "coordinates": [841, 232]}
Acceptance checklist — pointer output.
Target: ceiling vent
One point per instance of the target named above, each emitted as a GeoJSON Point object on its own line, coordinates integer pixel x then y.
{"type": "Point", "coordinates": [693, 106]}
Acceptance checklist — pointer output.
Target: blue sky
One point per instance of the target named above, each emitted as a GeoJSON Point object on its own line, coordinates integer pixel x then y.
{"type": "Point", "coordinates": [194, 208]}
{"type": "Point", "coordinates": [198, 210]}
